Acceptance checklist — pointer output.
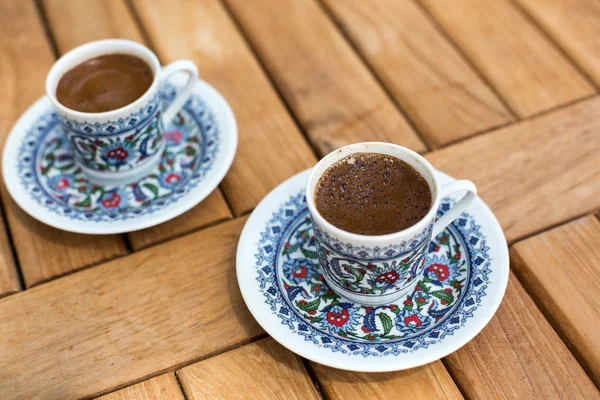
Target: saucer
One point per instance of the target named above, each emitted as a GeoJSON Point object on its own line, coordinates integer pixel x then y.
{"type": "Point", "coordinates": [41, 176]}
{"type": "Point", "coordinates": [465, 277]}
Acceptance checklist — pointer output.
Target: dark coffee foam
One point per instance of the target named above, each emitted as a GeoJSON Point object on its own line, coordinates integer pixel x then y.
{"type": "Point", "coordinates": [104, 83]}
{"type": "Point", "coordinates": [372, 194]}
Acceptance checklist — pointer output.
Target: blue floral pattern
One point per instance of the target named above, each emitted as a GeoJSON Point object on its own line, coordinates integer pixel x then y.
{"type": "Point", "coordinates": [48, 172]}
{"type": "Point", "coordinates": [450, 291]}
{"type": "Point", "coordinates": [373, 253]}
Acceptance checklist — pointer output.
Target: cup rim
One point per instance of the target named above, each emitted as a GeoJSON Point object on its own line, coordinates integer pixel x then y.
{"type": "Point", "coordinates": [373, 240]}
{"type": "Point", "coordinates": [58, 70]}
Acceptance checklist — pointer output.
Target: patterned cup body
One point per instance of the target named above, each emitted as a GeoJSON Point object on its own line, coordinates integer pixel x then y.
{"type": "Point", "coordinates": [377, 270]}
{"type": "Point", "coordinates": [123, 145]}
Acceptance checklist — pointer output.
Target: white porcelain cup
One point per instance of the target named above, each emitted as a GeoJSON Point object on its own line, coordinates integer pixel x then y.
{"type": "Point", "coordinates": [379, 269]}
{"type": "Point", "coordinates": [120, 146]}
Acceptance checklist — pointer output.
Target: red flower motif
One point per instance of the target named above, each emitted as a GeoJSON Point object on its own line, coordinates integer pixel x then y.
{"type": "Point", "coordinates": [444, 302]}
{"type": "Point", "coordinates": [81, 189]}
{"type": "Point", "coordinates": [406, 302]}
{"type": "Point", "coordinates": [119, 153]}
{"type": "Point", "coordinates": [62, 184]}
{"type": "Point", "coordinates": [170, 161]}
{"type": "Point", "coordinates": [413, 319]}
{"type": "Point", "coordinates": [421, 300]}
{"type": "Point", "coordinates": [436, 248]}
{"type": "Point", "coordinates": [320, 278]}
{"type": "Point", "coordinates": [130, 137]}
{"type": "Point", "coordinates": [418, 288]}
{"type": "Point", "coordinates": [406, 259]}
{"type": "Point", "coordinates": [286, 286]}
{"type": "Point", "coordinates": [113, 201]}
{"type": "Point", "coordinates": [457, 285]}
{"type": "Point", "coordinates": [444, 239]}
{"type": "Point", "coordinates": [172, 177]}
{"type": "Point", "coordinates": [312, 312]}
{"type": "Point", "coordinates": [329, 292]}
{"type": "Point", "coordinates": [448, 290]}
{"type": "Point", "coordinates": [393, 307]}
{"type": "Point", "coordinates": [174, 136]}
{"type": "Point", "coordinates": [99, 142]}
{"type": "Point", "coordinates": [457, 255]}
{"type": "Point", "coordinates": [387, 277]}
{"type": "Point", "coordinates": [370, 337]}
{"type": "Point", "coordinates": [287, 245]}
{"type": "Point", "coordinates": [365, 329]}
{"type": "Point", "coordinates": [368, 309]}
{"type": "Point", "coordinates": [440, 271]}
{"type": "Point", "coordinates": [317, 288]}
{"type": "Point", "coordinates": [370, 266]}
{"type": "Point", "coordinates": [338, 318]}
{"type": "Point", "coordinates": [300, 271]}
{"type": "Point", "coordinates": [362, 271]}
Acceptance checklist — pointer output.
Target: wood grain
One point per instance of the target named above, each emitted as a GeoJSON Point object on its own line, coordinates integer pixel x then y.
{"type": "Point", "coordinates": [518, 356]}
{"type": "Point", "coordinates": [159, 388]}
{"type": "Point", "coordinates": [520, 62]}
{"type": "Point", "coordinates": [9, 280]}
{"type": "Point", "coordinates": [437, 88]}
{"type": "Point", "coordinates": [43, 252]}
{"type": "Point", "coordinates": [573, 24]}
{"type": "Point", "coordinates": [113, 19]}
{"type": "Point", "coordinates": [212, 210]}
{"type": "Point", "coordinates": [536, 174]}
{"type": "Point", "coordinates": [560, 268]}
{"type": "Point", "coordinates": [430, 381]}
{"type": "Point", "coordinates": [270, 148]}
{"type": "Point", "coordinates": [261, 370]}
{"type": "Point", "coordinates": [108, 326]}
{"type": "Point", "coordinates": [334, 96]}
{"type": "Point", "coordinates": [109, 19]}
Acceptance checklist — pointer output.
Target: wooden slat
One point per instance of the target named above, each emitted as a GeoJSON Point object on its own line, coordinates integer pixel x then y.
{"type": "Point", "coordinates": [9, 280]}
{"type": "Point", "coordinates": [160, 388]}
{"type": "Point", "coordinates": [270, 148]}
{"type": "Point", "coordinates": [535, 174]}
{"type": "Point", "coordinates": [560, 268]}
{"type": "Point", "coordinates": [261, 370]}
{"type": "Point", "coordinates": [117, 323]}
{"type": "Point", "coordinates": [71, 28]}
{"type": "Point", "coordinates": [113, 19]}
{"type": "Point", "coordinates": [334, 96]}
{"type": "Point", "coordinates": [430, 381]}
{"type": "Point", "coordinates": [212, 210]}
{"type": "Point", "coordinates": [526, 69]}
{"type": "Point", "coordinates": [437, 88]}
{"type": "Point", "coordinates": [25, 58]}
{"type": "Point", "coordinates": [518, 356]}
{"type": "Point", "coordinates": [574, 25]}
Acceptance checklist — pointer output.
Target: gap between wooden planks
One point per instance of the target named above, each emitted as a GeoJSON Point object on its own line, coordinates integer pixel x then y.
{"type": "Point", "coordinates": [428, 77]}
{"type": "Point", "coordinates": [334, 96]}
{"type": "Point", "coordinates": [560, 268]}
{"type": "Point", "coordinates": [522, 65]}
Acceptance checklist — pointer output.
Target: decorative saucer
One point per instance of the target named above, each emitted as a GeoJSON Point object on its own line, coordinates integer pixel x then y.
{"type": "Point", "coordinates": [40, 173]}
{"type": "Point", "coordinates": [465, 278]}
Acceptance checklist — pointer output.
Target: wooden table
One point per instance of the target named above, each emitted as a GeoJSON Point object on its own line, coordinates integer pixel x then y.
{"type": "Point", "coordinates": [501, 92]}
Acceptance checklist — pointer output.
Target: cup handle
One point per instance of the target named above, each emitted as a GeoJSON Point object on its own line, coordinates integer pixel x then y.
{"type": "Point", "coordinates": [183, 96]}
{"type": "Point", "coordinates": [458, 208]}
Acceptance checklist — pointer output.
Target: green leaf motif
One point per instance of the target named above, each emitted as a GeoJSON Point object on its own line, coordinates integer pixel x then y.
{"type": "Point", "coordinates": [440, 294]}
{"type": "Point", "coordinates": [386, 321]}
{"type": "Point", "coordinates": [291, 249]}
{"type": "Point", "coordinates": [309, 307]}
{"type": "Point", "coordinates": [84, 203]}
{"type": "Point", "coordinates": [309, 253]}
{"type": "Point", "coordinates": [151, 188]}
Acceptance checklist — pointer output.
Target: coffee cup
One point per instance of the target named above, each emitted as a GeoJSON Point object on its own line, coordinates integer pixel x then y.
{"type": "Point", "coordinates": [380, 269]}
{"type": "Point", "coordinates": [123, 145]}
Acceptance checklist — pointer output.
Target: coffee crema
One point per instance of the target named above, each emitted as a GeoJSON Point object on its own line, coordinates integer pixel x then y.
{"type": "Point", "coordinates": [104, 83]}
{"type": "Point", "coordinates": [372, 194]}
